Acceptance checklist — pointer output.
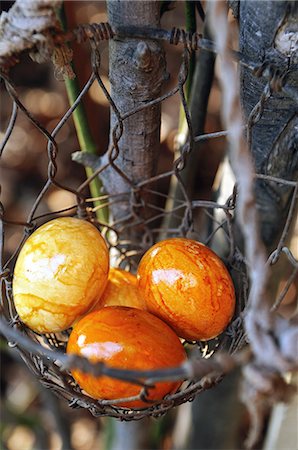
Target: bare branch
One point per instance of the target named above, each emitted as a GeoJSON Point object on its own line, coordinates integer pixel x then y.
{"type": "Point", "coordinates": [264, 329]}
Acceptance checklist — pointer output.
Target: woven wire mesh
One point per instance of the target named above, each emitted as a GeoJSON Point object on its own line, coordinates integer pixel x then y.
{"type": "Point", "coordinates": [139, 197]}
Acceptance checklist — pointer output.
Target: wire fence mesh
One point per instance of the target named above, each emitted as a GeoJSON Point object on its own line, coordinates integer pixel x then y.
{"type": "Point", "coordinates": [149, 216]}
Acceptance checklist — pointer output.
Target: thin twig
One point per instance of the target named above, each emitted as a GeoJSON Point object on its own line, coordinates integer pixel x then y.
{"type": "Point", "coordinates": [189, 369]}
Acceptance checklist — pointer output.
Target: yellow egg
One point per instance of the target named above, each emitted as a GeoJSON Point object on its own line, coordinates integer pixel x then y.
{"type": "Point", "coordinates": [121, 290]}
{"type": "Point", "coordinates": [61, 272]}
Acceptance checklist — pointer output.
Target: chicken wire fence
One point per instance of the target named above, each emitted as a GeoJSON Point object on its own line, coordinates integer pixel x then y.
{"type": "Point", "coordinates": [151, 215]}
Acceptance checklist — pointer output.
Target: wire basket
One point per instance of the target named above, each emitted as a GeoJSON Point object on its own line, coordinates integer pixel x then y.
{"type": "Point", "coordinates": [150, 215]}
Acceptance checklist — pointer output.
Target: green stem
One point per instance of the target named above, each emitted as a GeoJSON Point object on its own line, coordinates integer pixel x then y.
{"type": "Point", "coordinates": [190, 26]}
{"type": "Point", "coordinates": [84, 135]}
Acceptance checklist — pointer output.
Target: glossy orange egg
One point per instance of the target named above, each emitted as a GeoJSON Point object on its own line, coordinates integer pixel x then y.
{"type": "Point", "coordinates": [121, 290]}
{"type": "Point", "coordinates": [188, 286]}
{"type": "Point", "coordinates": [126, 338]}
{"type": "Point", "coordinates": [60, 273]}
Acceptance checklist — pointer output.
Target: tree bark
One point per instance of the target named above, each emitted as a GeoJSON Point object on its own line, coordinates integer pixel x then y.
{"type": "Point", "coordinates": [137, 72]}
{"type": "Point", "coordinates": [269, 32]}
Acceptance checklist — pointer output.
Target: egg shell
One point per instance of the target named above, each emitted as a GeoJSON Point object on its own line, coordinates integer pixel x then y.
{"type": "Point", "coordinates": [126, 338]}
{"type": "Point", "coordinates": [187, 285]}
{"type": "Point", "coordinates": [121, 290]}
{"type": "Point", "coordinates": [61, 272]}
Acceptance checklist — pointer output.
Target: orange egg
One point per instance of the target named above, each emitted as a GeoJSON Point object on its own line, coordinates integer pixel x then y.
{"type": "Point", "coordinates": [60, 273]}
{"type": "Point", "coordinates": [121, 290]}
{"type": "Point", "coordinates": [126, 338]}
{"type": "Point", "coordinates": [188, 286]}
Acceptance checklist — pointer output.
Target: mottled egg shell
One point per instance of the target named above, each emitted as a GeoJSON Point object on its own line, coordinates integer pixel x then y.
{"type": "Point", "coordinates": [187, 285]}
{"type": "Point", "coordinates": [125, 338]}
{"type": "Point", "coordinates": [60, 273]}
{"type": "Point", "coordinates": [121, 290]}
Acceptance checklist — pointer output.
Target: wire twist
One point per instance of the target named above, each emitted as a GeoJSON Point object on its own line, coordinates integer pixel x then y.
{"type": "Point", "coordinates": [98, 31]}
{"type": "Point", "coordinates": [191, 40]}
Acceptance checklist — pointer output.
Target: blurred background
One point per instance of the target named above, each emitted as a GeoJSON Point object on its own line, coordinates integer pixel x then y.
{"type": "Point", "coordinates": [32, 417]}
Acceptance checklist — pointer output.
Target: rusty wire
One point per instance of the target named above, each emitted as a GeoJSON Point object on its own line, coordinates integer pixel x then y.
{"type": "Point", "coordinates": [45, 354]}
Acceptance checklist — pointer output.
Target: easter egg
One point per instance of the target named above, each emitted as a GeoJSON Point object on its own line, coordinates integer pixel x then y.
{"type": "Point", "coordinates": [125, 338]}
{"type": "Point", "coordinates": [60, 273]}
{"type": "Point", "coordinates": [121, 290]}
{"type": "Point", "coordinates": [187, 285]}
